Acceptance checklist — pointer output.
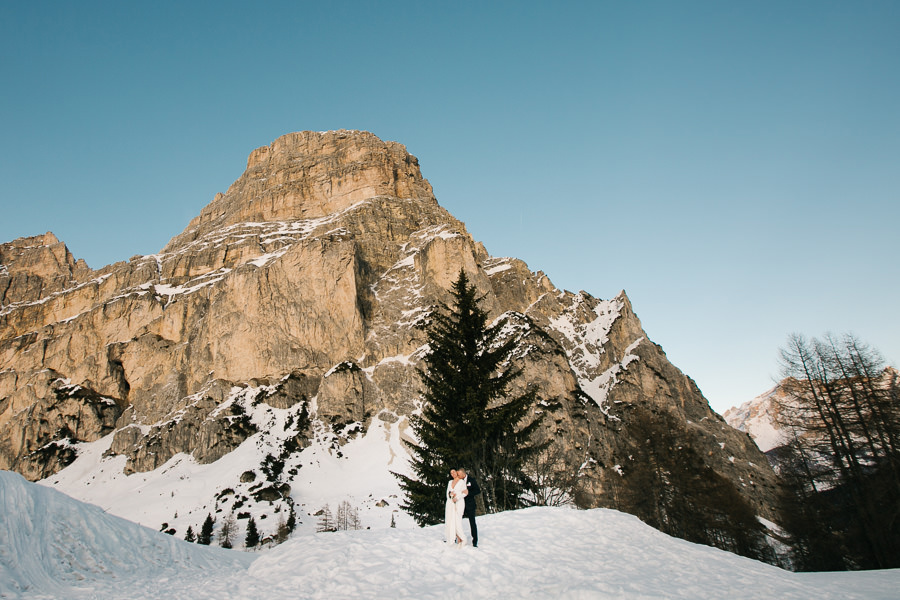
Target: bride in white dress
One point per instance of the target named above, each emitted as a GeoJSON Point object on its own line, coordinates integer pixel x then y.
{"type": "Point", "coordinates": [453, 509]}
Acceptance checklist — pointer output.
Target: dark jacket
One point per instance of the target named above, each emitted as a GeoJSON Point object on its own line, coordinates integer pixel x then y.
{"type": "Point", "coordinates": [473, 490]}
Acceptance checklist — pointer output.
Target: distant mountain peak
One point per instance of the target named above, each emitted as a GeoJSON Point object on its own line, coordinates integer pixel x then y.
{"type": "Point", "coordinates": [759, 419]}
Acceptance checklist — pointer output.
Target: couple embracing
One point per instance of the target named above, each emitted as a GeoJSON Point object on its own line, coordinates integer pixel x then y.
{"type": "Point", "coordinates": [461, 492]}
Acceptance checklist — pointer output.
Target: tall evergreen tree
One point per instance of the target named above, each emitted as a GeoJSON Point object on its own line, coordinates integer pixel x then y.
{"type": "Point", "coordinates": [292, 519]}
{"type": "Point", "coordinates": [206, 531]}
{"type": "Point", "coordinates": [467, 418]}
{"type": "Point", "coordinates": [251, 540]}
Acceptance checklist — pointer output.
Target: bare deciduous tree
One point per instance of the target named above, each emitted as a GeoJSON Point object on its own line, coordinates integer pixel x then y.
{"type": "Point", "coordinates": [555, 481]}
{"type": "Point", "coordinates": [842, 416]}
{"type": "Point", "coordinates": [226, 533]}
{"type": "Point", "coordinates": [326, 520]}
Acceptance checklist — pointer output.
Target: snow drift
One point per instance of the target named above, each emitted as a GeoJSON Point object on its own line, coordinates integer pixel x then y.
{"type": "Point", "coordinates": [52, 546]}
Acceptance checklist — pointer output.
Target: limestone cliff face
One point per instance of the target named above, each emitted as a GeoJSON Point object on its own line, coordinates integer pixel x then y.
{"type": "Point", "coordinates": [308, 175]}
{"type": "Point", "coordinates": [310, 279]}
{"type": "Point", "coordinates": [33, 268]}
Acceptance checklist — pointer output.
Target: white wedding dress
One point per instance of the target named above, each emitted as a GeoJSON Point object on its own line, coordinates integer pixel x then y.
{"type": "Point", "coordinates": [453, 511]}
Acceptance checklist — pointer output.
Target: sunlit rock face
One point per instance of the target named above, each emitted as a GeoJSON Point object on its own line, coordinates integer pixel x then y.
{"type": "Point", "coordinates": [310, 279]}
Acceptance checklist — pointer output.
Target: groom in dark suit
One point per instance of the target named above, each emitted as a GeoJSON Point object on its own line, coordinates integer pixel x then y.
{"type": "Point", "coordinates": [469, 511]}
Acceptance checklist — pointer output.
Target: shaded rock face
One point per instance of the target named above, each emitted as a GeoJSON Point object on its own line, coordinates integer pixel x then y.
{"type": "Point", "coordinates": [37, 439]}
{"type": "Point", "coordinates": [207, 428]}
{"type": "Point", "coordinates": [311, 278]}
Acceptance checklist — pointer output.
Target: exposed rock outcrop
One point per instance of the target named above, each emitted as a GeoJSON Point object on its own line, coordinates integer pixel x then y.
{"type": "Point", "coordinates": [34, 268]}
{"type": "Point", "coordinates": [37, 439]}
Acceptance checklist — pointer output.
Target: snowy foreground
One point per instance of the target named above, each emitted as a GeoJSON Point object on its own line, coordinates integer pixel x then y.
{"type": "Point", "coordinates": [52, 546]}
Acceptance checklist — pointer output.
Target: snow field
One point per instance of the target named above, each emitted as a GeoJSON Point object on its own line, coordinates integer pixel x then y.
{"type": "Point", "coordinates": [53, 547]}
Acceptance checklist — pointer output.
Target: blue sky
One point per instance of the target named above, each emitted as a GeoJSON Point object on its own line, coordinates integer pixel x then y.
{"type": "Point", "coordinates": [734, 166]}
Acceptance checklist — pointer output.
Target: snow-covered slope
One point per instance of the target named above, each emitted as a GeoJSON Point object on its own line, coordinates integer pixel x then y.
{"type": "Point", "coordinates": [759, 418]}
{"type": "Point", "coordinates": [354, 467]}
{"type": "Point", "coordinates": [52, 546]}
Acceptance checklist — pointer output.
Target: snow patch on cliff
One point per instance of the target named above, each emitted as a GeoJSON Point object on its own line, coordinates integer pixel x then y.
{"type": "Point", "coordinates": [585, 331]}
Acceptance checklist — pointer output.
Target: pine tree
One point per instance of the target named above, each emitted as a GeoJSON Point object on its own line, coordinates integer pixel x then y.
{"type": "Point", "coordinates": [467, 418]}
{"type": "Point", "coordinates": [252, 538]}
{"type": "Point", "coordinates": [292, 519]}
{"type": "Point", "coordinates": [189, 535]}
{"type": "Point", "coordinates": [206, 531]}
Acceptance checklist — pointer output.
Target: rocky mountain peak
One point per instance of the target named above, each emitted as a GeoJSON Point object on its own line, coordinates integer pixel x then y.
{"type": "Point", "coordinates": [35, 266]}
{"type": "Point", "coordinates": [290, 315]}
{"type": "Point", "coordinates": [307, 175]}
